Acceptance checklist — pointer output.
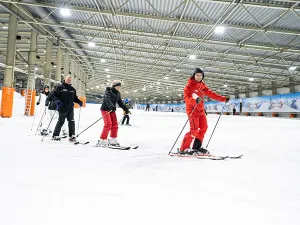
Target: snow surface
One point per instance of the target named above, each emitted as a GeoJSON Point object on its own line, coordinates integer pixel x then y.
{"type": "Point", "coordinates": [50, 183]}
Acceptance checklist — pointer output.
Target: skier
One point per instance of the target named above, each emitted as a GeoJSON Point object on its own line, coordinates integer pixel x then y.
{"type": "Point", "coordinates": [194, 92]}
{"type": "Point", "coordinates": [148, 107]}
{"type": "Point", "coordinates": [108, 110]}
{"type": "Point", "coordinates": [125, 117]}
{"type": "Point", "coordinates": [42, 98]}
{"type": "Point", "coordinates": [65, 96]}
{"type": "Point", "coordinates": [51, 114]}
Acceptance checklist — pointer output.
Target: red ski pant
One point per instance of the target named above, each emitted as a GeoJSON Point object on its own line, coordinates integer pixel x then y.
{"type": "Point", "coordinates": [110, 124]}
{"type": "Point", "coordinates": [198, 128]}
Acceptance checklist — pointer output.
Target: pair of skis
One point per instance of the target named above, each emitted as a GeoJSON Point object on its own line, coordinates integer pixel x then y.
{"type": "Point", "coordinates": [119, 147]}
{"type": "Point", "coordinates": [205, 156]}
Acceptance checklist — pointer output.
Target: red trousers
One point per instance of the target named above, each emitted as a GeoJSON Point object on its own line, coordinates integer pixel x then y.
{"type": "Point", "coordinates": [198, 128]}
{"type": "Point", "coordinates": [110, 124]}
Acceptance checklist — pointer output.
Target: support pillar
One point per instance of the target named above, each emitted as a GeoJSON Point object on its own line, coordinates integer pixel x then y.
{"type": "Point", "coordinates": [7, 99]}
{"type": "Point", "coordinates": [58, 65]}
{"type": "Point", "coordinates": [31, 92]}
{"type": "Point", "coordinates": [292, 86]}
{"type": "Point", "coordinates": [67, 65]}
{"type": "Point", "coordinates": [48, 64]}
{"type": "Point", "coordinates": [274, 89]}
{"type": "Point", "coordinates": [72, 69]}
{"type": "Point", "coordinates": [259, 92]}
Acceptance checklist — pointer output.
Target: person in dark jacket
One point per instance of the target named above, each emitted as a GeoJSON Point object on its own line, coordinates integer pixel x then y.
{"type": "Point", "coordinates": [65, 96]}
{"type": "Point", "coordinates": [111, 97]}
{"type": "Point", "coordinates": [51, 114]}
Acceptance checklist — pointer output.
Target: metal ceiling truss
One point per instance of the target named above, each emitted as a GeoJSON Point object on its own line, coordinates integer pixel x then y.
{"type": "Point", "coordinates": [137, 45]}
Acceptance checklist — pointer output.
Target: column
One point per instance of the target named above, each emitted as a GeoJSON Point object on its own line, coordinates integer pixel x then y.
{"type": "Point", "coordinates": [72, 69]}
{"type": "Point", "coordinates": [31, 92]}
{"type": "Point", "coordinates": [274, 89]}
{"type": "Point", "coordinates": [58, 65]}
{"type": "Point", "coordinates": [8, 90]}
{"type": "Point", "coordinates": [292, 86]}
{"type": "Point", "coordinates": [47, 74]}
{"type": "Point", "coordinates": [67, 64]}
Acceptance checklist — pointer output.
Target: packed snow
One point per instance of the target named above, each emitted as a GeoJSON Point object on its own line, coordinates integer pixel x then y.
{"type": "Point", "coordinates": [58, 183]}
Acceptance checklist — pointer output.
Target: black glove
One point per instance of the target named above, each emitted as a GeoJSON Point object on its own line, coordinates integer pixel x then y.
{"type": "Point", "coordinates": [46, 103]}
{"type": "Point", "coordinates": [37, 103]}
{"type": "Point", "coordinates": [227, 98]}
{"type": "Point", "coordinates": [80, 103]}
{"type": "Point", "coordinates": [198, 100]}
{"type": "Point", "coordinates": [127, 112]}
{"type": "Point", "coordinates": [113, 108]}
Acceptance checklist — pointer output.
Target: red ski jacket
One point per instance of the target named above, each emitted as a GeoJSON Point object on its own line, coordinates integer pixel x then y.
{"type": "Point", "coordinates": [200, 89]}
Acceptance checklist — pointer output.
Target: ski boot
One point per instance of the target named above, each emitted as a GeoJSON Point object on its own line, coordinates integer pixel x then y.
{"type": "Point", "coordinates": [197, 147]}
{"type": "Point", "coordinates": [102, 143]}
{"type": "Point", "coordinates": [44, 132]}
{"type": "Point", "coordinates": [56, 138]}
{"type": "Point", "coordinates": [113, 142]}
{"type": "Point", "coordinates": [72, 138]}
{"type": "Point", "coordinates": [187, 151]}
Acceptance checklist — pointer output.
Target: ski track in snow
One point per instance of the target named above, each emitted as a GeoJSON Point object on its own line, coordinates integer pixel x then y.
{"type": "Point", "coordinates": [49, 183]}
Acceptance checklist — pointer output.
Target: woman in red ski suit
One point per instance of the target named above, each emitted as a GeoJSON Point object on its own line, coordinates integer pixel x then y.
{"type": "Point", "coordinates": [194, 93]}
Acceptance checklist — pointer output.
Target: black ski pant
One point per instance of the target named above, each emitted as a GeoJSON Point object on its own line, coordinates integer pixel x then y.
{"type": "Point", "coordinates": [61, 120]}
{"type": "Point", "coordinates": [124, 118]}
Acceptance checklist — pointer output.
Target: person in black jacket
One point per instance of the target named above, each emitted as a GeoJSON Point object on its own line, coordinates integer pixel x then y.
{"type": "Point", "coordinates": [108, 110]}
{"type": "Point", "coordinates": [51, 114]}
{"type": "Point", "coordinates": [65, 96]}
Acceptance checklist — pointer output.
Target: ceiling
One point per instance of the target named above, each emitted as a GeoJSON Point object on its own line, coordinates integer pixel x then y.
{"type": "Point", "coordinates": [153, 46]}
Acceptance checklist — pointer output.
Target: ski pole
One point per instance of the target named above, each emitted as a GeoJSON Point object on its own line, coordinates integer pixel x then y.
{"type": "Point", "coordinates": [33, 118]}
{"type": "Point", "coordinates": [215, 126]}
{"type": "Point", "coordinates": [121, 120]}
{"type": "Point", "coordinates": [93, 123]}
{"type": "Point", "coordinates": [183, 128]}
{"type": "Point", "coordinates": [49, 124]}
{"type": "Point", "coordinates": [40, 123]}
{"type": "Point", "coordinates": [79, 119]}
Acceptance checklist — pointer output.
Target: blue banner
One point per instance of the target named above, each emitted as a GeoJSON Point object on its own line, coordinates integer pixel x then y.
{"type": "Point", "coordinates": [275, 103]}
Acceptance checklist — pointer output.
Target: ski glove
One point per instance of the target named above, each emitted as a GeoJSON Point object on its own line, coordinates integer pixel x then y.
{"type": "Point", "coordinates": [198, 100]}
{"type": "Point", "coordinates": [37, 103]}
{"type": "Point", "coordinates": [80, 103]}
{"type": "Point", "coordinates": [58, 104]}
{"type": "Point", "coordinates": [46, 103]}
{"type": "Point", "coordinates": [227, 98]}
{"type": "Point", "coordinates": [113, 108]}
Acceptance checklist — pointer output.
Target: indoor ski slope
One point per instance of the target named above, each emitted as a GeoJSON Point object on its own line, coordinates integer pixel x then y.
{"type": "Point", "coordinates": [50, 183]}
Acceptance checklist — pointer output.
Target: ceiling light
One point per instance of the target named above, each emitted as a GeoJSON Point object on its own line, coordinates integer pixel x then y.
{"type": "Point", "coordinates": [225, 85]}
{"type": "Point", "coordinates": [135, 90]}
{"type": "Point", "coordinates": [91, 44]}
{"type": "Point", "coordinates": [108, 80]}
{"type": "Point", "coordinates": [65, 12]}
{"type": "Point", "coordinates": [102, 60]}
{"type": "Point", "coordinates": [167, 96]}
{"type": "Point", "coordinates": [26, 65]}
{"type": "Point", "coordinates": [102, 85]}
{"type": "Point", "coordinates": [92, 88]}
{"type": "Point", "coordinates": [293, 68]}
{"type": "Point", "coordinates": [44, 51]}
{"type": "Point", "coordinates": [251, 79]}
{"type": "Point", "coordinates": [108, 76]}
{"type": "Point", "coordinates": [126, 92]}
{"type": "Point", "coordinates": [106, 70]}
{"type": "Point", "coordinates": [145, 98]}
{"type": "Point", "coordinates": [177, 70]}
{"type": "Point", "coordinates": [5, 27]}
{"type": "Point", "coordinates": [193, 56]}
{"type": "Point", "coordinates": [179, 95]}
{"type": "Point", "coordinates": [36, 68]}
{"type": "Point", "coordinates": [97, 86]}
{"type": "Point", "coordinates": [87, 89]}
{"type": "Point", "coordinates": [219, 29]}
{"type": "Point", "coordinates": [158, 82]}
{"type": "Point", "coordinates": [166, 78]}
{"type": "Point", "coordinates": [54, 66]}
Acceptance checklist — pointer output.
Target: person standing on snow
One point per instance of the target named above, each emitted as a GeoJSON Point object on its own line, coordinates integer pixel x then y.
{"type": "Point", "coordinates": [194, 93]}
{"type": "Point", "coordinates": [50, 102]}
{"type": "Point", "coordinates": [65, 96]}
{"type": "Point", "coordinates": [108, 110]}
{"type": "Point", "coordinates": [125, 117]}
{"type": "Point", "coordinates": [42, 99]}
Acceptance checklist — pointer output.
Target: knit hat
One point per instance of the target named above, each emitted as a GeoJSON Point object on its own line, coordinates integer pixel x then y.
{"type": "Point", "coordinates": [116, 83]}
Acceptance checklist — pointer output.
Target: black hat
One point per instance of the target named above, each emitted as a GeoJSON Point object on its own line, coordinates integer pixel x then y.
{"type": "Point", "coordinates": [198, 70]}
{"type": "Point", "coordinates": [116, 84]}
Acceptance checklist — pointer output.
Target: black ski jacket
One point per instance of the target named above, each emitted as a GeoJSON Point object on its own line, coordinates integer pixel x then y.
{"type": "Point", "coordinates": [67, 95]}
{"type": "Point", "coordinates": [111, 97]}
{"type": "Point", "coordinates": [50, 100]}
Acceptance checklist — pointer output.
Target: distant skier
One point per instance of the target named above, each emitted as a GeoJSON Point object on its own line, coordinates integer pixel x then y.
{"type": "Point", "coordinates": [233, 111]}
{"type": "Point", "coordinates": [41, 101]}
{"type": "Point", "coordinates": [193, 96]}
{"type": "Point", "coordinates": [125, 117]}
{"type": "Point", "coordinates": [65, 96]}
{"type": "Point", "coordinates": [112, 96]}
{"type": "Point", "coordinates": [148, 107]}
